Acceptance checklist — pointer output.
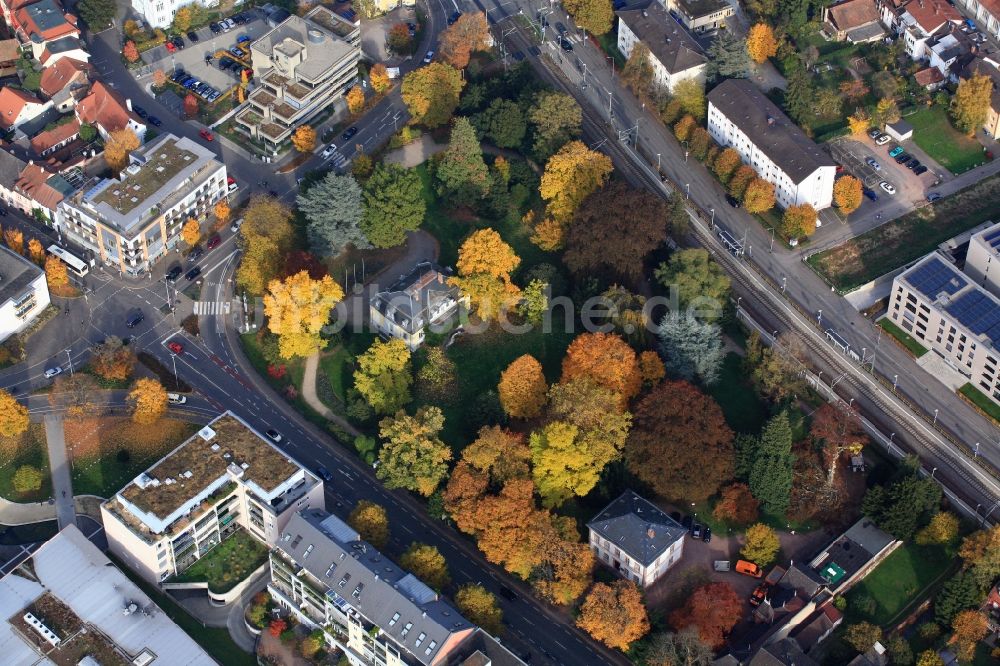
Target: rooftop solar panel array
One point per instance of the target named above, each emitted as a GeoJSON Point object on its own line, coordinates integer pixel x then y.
{"type": "Point", "coordinates": [979, 313]}
{"type": "Point", "coordinates": [934, 276]}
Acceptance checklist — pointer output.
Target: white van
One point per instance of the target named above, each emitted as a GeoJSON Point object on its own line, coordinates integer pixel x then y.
{"type": "Point", "coordinates": [176, 398]}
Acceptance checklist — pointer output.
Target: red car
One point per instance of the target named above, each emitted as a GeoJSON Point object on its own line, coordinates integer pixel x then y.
{"type": "Point", "coordinates": [175, 347]}
{"type": "Point", "coordinates": [214, 242]}
{"type": "Point", "coordinates": [230, 180]}
{"type": "Point", "coordinates": [206, 135]}
{"type": "Point", "coordinates": [171, 48]}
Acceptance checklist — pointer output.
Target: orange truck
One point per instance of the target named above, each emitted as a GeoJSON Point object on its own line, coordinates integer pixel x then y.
{"type": "Point", "coordinates": [760, 593]}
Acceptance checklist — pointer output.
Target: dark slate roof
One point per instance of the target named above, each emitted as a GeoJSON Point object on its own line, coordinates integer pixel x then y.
{"type": "Point", "coordinates": [11, 167]}
{"type": "Point", "coordinates": [63, 44]}
{"type": "Point", "coordinates": [665, 38]}
{"type": "Point", "coordinates": [698, 8]}
{"type": "Point", "coordinates": [353, 570]}
{"type": "Point", "coordinates": [769, 128]}
{"type": "Point", "coordinates": [802, 579]}
{"type": "Point", "coordinates": [417, 298]}
{"type": "Point", "coordinates": [16, 274]}
{"type": "Point", "coordinates": [637, 527]}
{"type": "Point", "coordinates": [785, 652]}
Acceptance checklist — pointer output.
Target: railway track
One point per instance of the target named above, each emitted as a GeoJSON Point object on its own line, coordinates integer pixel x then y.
{"type": "Point", "coordinates": [966, 477]}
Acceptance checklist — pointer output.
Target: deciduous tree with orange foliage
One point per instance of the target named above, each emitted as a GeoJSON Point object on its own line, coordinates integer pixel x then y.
{"type": "Point", "coordinates": [14, 418]}
{"type": "Point", "coordinates": [570, 176]}
{"type": "Point", "coordinates": [970, 627]}
{"type": "Point", "coordinates": [522, 388]}
{"type": "Point", "coordinates": [130, 51]}
{"type": "Point", "coordinates": [679, 443]}
{"type": "Point", "coordinates": [222, 211]}
{"type": "Point", "coordinates": [460, 40]}
{"type": "Point", "coordinates": [112, 360]}
{"type": "Point", "coordinates": [847, 194]}
{"type": "Point", "coordinates": [36, 251]}
{"type": "Point", "coordinates": [761, 43]}
{"type": "Point", "coordinates": [740, 179]}
{"type": "Point", "coordinates": [614, 614]}
{"type": "Point", "coordinates": [379, 77]}
{"type": "Point", "coordinates": [55, 272]}
{"type": "Point", "coordinates": [798, 221]}
{"type": "Point", "coordinates": [14, 239]}
{"type": "Point", "coordinates": [191, 106]}
{"type": "Point", "coordinates": [484, 265]}
{"type": "Point", "coordinates": [355, 99]}
{"type": "Point", "coordinates": [500, 452]}
{"type": "Point", "coordinates": [149, 401]}
{"type": "Point", "coordinates": [684, 127]}
{"type": "Point", "coordinates": [304, 139]}
{"type": "Point", "coordinates": [714, 609]}
{"type": "Point", "coordinates": [726, 163]}
{"type": "Point", "coordinates": [297, 309]}
{"type": "Point", "coordinates": [736, 505]}
{"type": "Point", "coordinates": [759, 196]}
{"type": "Point", "coordinates": [651, 368]}
{"type": "Point", "coordinates": [605, 359]}
{"type": "Point", "coordinates": [191, 232]}
{"type": "Point", "coordinates": [118, 146]}
{"type": "Point", "coordinates": [159, 78]}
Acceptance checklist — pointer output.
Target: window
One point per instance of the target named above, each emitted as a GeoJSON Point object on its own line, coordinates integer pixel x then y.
{"type": "Point", "coordinates": [394, 620]}
{"type": "Point", "coordinates": [420, 639]}
{"type": "Point", "coordinates": [406, 629]}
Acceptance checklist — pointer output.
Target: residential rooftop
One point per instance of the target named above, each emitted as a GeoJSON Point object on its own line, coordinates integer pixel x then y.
{"type": "Point", "coordinates": [695, 9]}
{"type": "Point", "coordinates": [16, 275]}
{"type": "Point", "coordinates": [769, 128]}
{"type": "Point", "coordinates": [417, 298]}
{"type": "Point", "coordinates": [159, 173]}
{"type": "Point", "coordinates": [308, 38]}
{"type": "Point", "coordinates": [637, 526]}
{"type": "Point", "coordinates": [223, 450]}
{"type": "Point", "coordinates": [91, 609]}
{"type": "Point", "coordinates": [665, 38]}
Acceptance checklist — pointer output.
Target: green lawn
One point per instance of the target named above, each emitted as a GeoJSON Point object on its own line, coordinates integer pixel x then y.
{"type": "Point", "coordinates": [900, 580]}
{"type": "Point", "coordinates": [905, 339]}
{"type": "Point", "coordinates": [227, 564]}
{"type": "Point", "coordinates": [743, 410]}
{"type": "Point", "coordinates": [885, 248]}
{"type": "Point", "coordinates": [26, 449]}
{"type": "Point", "coordinates": [215, 641]}
{"type": "Point", "coordinates": [953, 150]}
{"type": "Point", "coordinates": [337, 366]}
{"type": "Point", "coordinates": [982, 401]}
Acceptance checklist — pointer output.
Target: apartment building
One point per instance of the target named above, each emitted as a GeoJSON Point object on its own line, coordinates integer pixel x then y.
{"type": "Point", "coordinates": [369, 608]}
{"type": "Point", "coordinates": [953, 315]}
{"type": "Point", "coordinates": [700, 15]}
{"type": "Point", "coordinates": [24, 293]}
{"type": "Point", "coordinates": [132, 220]}
{"type": "Point", "coordinates": [986, 14]}
{"type": "Point", "coordinates": [303, 66]}
{"type": "Point", "coordinates": [38, 24]}
{"type": "Point", "coordinates": [917, 20]}
{"type": "Point", "coordinates": [740, 116]}
{"type": "Point", "coordinates": [636, 539]}
{"type": "Point", "coordinates": [225, 477]}
{"type": "Point", "coordinates": [67, 603]}
{"type": "Point", "coordinates": [160, 13]}
{"type": "Point", "coordinates": [673, 53]}
{"type": "Point", "coordinates": [419, 300]}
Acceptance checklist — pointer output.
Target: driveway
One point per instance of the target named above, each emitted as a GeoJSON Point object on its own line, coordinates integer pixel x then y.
{"type": "Point", "coordinates": [375, 31]}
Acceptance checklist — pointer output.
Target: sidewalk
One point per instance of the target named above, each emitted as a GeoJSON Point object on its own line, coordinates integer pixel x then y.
{"type": "Point", "coordinates": [14, 513]}
{"type": "Point", "coordinates": [62, 485]}
{"type": "Point", "coordinates": [309, 395]}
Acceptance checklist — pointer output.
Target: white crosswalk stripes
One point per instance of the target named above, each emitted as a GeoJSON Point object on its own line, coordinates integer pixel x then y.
{"type": "Point", "coordinates": [211, 307]}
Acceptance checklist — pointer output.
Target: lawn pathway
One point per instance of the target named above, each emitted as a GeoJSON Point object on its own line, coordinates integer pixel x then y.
{"type": "Point", "coordinates": [309, 395]}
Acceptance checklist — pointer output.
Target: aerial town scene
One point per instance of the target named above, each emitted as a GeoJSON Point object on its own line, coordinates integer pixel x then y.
{"type": "Point", "coordinates": [500, 332]}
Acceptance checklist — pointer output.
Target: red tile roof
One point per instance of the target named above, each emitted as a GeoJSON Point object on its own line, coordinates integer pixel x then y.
{"type": "Point", "coordinates": [33, 183]}
{"type": "Point", "coordinates": [853, 14]}
{"type": "Point", "coordinates": [59, 75]}
{"type": "Point", "coordinates": [932, 13]}
{"type": "Point", "coordinates": [928, 76]}
{"type": "Point", "coordinates": [104, 107]}
{"type": "Point", "coordinates": [46, 140]}
{"type": "Point", "coordinates": [12, 100]}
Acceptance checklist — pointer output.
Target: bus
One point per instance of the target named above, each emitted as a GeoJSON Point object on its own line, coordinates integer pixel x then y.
{"type": "Point", "coordinates": [73, 263]}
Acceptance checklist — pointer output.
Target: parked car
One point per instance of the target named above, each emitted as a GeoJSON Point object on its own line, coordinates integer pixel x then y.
{"type": "Point", "coordinates": [214, 242]}
{"type": "Point", "coordinates": [913, 163]}
{"type": "Point", "coordinates": [176, 398]}
{"type": "Point", "coordinates": [178, 41]}
{"type": "Point", "coordinates": [696, 531]}
{"type": "Point", "coordinates": [428, 57]}
{"type": "Point", "coordinates": [193, 273]}
{"type": "Point", "coordinates": [206, 135]}
{"type": "Point", "coordinates": [214, 95]}
{"type": "Point", "coordinates": [273, 435]}
{"type": "Point", "coordinates": [235, 226]}
{"type": "Point", "coordinates": [242, 39]}
{"type": "Point", "coordinates": [175, 347]}
{"type": "Point", "coordinates": [196, 253]}
{"type": "Point", "coordinates": [749, 569]}
{"type": "Point", "coordinates": [920, 170]}
{"type": "Point", "coordinates": [154, 121]}
{"type": "Point", "coordinates": [874, 133]}
{"type": "Point", "coordinates": [53, 371]}
{"type": "Point", "coordinates": [215, 27]}
{"type": "Point", "coordinates": [732, 201]}
{"type": "Point", "coordinates": [887, 186]}
{"type": "Point", "coordinates": [193, 36]}
{"type": "Point", "coordinates": [230, 23]}
{"type": "Point", "coordinates": [454, 17]}
{"type": "Point", "coordinates": [873, 164]}
{"type": "Point", "coordinates": [902, 157]}
{"type": "Point", "coordinates": [933, 196]}
{"type": "Point", "coordinates": [236, 52]}
{"type": "Point", "coordinates": [895, 151]}
{"type": "Point", "coordinates": [174, 273]}
{"type": "Point", "coordinates": [179, 75]}
{"type": "Point", "coordinates": [870, 194]}
{"type": "Point", "coordinates": [324, 473]}
{"type": "Point", "coordinates": [882, 140]}
{"type": "Point", "coordinates": [707, 534]}
{"type": "Point", "coordinates": [170, 47]}
{"type": "Point", "coordinates": [349, 133]}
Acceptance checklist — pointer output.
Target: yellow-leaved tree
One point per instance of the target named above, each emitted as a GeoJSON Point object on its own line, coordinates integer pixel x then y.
{"type": "Point", "coordinates": [355, 98]}
{"type": "Point", "coordinates": [761, 43]}
{"type": "Point", "coordinates": [379, 77]}
{"type": "Point", "coordinates": [570, 176]}
{"type": "Point", "coordinates": [371, 521]}
{"type": "Point", "coordinates": [614, 614]}
{"type": "Point", "coordinates": [847, 194]}
{"type": "Point", "coordinates": [304, 139]}
{"type": "Point", "coordinates": [222, 211]}
{"type": "Point", "coordinates": [297, 309]}
{"type": "Point", "coordinates": [971, 103]}
{"type": "Point", "coordinates": [36, 251]}
{"type": "Point", "coordinates": [55, 272]}
{"type": "Point", "coordinates": [191, 232]}
{"type": "Point", "coordinates": [13, 416]}
{"type": "Point", "coordinates": [266, 236]}
{"type": "Point", "coordinates": [426, 563]}
{"type": "Point", "coordinates": [859, 121]}
{"type": "Point", "coordinates": [431, 93]}
{"type": "Point", "coordinates": [149, 401]}
{"type": "Point", "coordinates": [522, 388]}
{"type": "Point", "coordinates": [479, 605]}
{"type": "Point", "coordinates": [485, 263]}
{"type": "Point", "coordinates": [759, 196]}
{"type": "Point", "coordinates": [14, 239]}
{"type": "Point", "coordinates": [119, 144]}
{"type": "Point", "coordinates": [798, 221]}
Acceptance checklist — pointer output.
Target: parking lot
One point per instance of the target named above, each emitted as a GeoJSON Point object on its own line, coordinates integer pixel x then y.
{"type": "Point", "coordinates": [198, 58]}
{"type": "Point", "coordinates": [871, 164]}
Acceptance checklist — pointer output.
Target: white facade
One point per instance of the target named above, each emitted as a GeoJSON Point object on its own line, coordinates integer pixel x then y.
{"type": "Point", "coordinates": [160, 13]}
{"type": "Point", "coordinates": [982, 263]}
{"type": "Point", "coordinates": [986, 14]}
{"type": "Point", "coordinates": [644, 575]}
{"type": "Point", "coordinates": [222, 499]}
{"type": "Point", "coordinates": [661, 74]}
{"type": "Point", "coordinates": [815, 189]}
{"type": "Point", "coordinates": [24, 293]}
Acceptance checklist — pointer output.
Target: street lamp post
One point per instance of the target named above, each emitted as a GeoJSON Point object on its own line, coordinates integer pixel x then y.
{"type": "Point", "coordinates": [70, 359]}
{"type": "Point", "coordinates": [771, 249]}
{"type": "Point", "coordinates": [687, 190]}
{"type": "Point", "coordinates": [935, 417]}
{"type": "Point", "coordinates": [895, 381]}
{"type": "Point", "coordinates": [610, 97]}
{"type": "Point", "coordinates": [784, 283]}
{"type": "Point", "coordinates": [975, 454]}
{"type": "Point", "coordinates": [933, 471]}
{"type": "Point", "coordinates": [819, 319]}
{"type": "Point", "coordinates": [657, 161]}
{"type": "Point", "coordinates": [891, 437]}
{"type": "Point", "coordinates": [712, 211]}
{"type": "Point", "coordinates": [173, 357]}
